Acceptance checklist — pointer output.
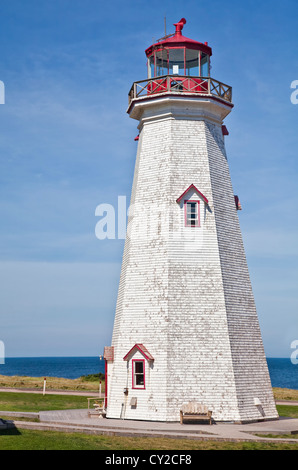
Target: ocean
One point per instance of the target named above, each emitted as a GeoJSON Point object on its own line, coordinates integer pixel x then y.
{"type": "Point", "coordinates": [282, 372]}
{"type": "Point", "coordinates": [66, 367]}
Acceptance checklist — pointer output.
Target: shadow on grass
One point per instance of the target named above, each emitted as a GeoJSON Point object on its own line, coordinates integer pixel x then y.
{"type": "Point", "coordinates": [10, 430]}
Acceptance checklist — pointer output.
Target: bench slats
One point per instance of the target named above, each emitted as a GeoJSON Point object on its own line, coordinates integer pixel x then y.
{"type": "Point", "coordinates": [195, 411]}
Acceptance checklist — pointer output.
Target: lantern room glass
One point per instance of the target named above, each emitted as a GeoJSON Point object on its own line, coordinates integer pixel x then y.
{"type": "Point", "coordinates": [151, 73]}
{"type": "Point", "coordinates": [192, 63]}
{"type": "Point", "coordinates": [161, 62]}
{"type": "Point", "coordinates": [205, 69]}
{"type": "Point", "coordinates": [178, 61]}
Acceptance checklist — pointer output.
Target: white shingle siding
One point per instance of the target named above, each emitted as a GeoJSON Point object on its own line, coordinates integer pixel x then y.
{"type": "Point", "coordinates": [188, 301]}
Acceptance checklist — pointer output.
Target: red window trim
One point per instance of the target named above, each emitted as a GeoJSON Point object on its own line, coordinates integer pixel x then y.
{"type": "Point", "coordinates": [185, 213]}
{"type": "Point", "coordinates": [142, 387]}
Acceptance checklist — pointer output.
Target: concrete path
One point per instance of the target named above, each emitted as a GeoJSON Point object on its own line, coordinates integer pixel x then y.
{"type": "Point", "coordinates": [287, 402]}
{"type": "Point", "coordinates": [78, 421]}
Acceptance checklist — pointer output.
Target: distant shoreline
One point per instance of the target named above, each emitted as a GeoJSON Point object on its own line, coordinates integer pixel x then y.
{"type": "Point", "coordinates": [91, 384]}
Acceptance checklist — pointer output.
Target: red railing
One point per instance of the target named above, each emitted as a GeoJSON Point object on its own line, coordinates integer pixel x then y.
{"type": "Point", "coordinates": [180, 84]}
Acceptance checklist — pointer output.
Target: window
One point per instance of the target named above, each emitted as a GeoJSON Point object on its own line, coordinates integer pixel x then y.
{"type": "Point", "coordinates": [161, 62]}
{"type": "Point", "coordinates": [192, 213]}
{"type": "Point", "coordinates": [151, 73]}
{"type": "Point", "coordinates": [192, 63]}
{"type": "Point", "coordinates": [176, 61]}
{"type": "Point", "coordinates": [138, 373]}
{"type": "Point", "coordinates": [205, 72]}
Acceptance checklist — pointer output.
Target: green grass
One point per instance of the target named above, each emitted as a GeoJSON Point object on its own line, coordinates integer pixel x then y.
{"type": "Point", "coordinates": [287, 411]}
{"type": "Point", "coordinates": [23, 439]}
{"type": "Point", "coordinates": [37, 402]}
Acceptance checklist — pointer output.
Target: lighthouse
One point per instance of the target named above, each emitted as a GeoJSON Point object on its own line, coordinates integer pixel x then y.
{"type": "Point", "coordinates": [186, 328]}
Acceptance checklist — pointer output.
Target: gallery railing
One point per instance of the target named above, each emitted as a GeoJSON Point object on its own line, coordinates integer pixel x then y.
{"type": "Point", "coordinates": [180, 84]}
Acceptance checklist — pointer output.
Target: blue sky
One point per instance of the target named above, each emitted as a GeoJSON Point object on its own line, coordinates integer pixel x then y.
{"type": "Point", "coordinates": [67, 145]}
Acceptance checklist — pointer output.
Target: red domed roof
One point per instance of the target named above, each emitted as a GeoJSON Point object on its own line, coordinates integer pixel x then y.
{"type": "Point", "coordinates": [178, 40]}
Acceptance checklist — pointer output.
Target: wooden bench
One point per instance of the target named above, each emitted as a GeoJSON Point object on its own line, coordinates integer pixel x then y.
{"type": "Point", "coordinates": [97, 409]}
{"type": "Point", "coordinates": [194, 411]}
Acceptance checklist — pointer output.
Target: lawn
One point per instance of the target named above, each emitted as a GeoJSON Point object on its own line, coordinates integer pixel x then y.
{"type": "Point", "coordinates": [287, 411]}
{"type": "Point", "coordinates": [24, 439]}
{"type": "Point", "coordinates": [37, 402]}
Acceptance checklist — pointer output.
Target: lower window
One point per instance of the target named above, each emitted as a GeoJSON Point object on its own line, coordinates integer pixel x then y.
{"type": "Point", "coordinates": [138, 373]}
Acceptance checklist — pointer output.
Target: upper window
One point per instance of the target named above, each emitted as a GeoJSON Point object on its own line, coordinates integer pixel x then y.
{"type": "Point", "coordinates": [192, 213]}
{"type": "Point", "coordinates": [138, 373]}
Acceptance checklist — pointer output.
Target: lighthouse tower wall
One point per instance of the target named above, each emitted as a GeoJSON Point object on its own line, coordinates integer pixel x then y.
{"type": "Point", "coordinates": [200, 362]}
{"type": "Point", "coordinates": [142, 306]}
{"type": "Point", "coordinates": [252, 380]}
{"type": "Point", "coordinates": [185, 292]}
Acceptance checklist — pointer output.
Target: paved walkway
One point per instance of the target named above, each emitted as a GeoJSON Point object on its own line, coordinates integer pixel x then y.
{"type": "Point", "coordinates": [78, 421]}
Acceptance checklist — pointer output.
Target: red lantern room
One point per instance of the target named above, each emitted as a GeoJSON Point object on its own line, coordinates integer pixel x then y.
{"type": "Point", "coordinates": [177, 64]}
{"type": "Point", "coordinates": [178, 55]}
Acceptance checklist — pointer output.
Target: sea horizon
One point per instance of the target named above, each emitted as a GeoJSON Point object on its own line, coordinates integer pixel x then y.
{"type": "Point", "coordinates": [36, 357]}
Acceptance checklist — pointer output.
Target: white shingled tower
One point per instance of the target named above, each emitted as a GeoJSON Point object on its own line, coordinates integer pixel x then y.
{"type": "Point", "coordinates": [186, 327]}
